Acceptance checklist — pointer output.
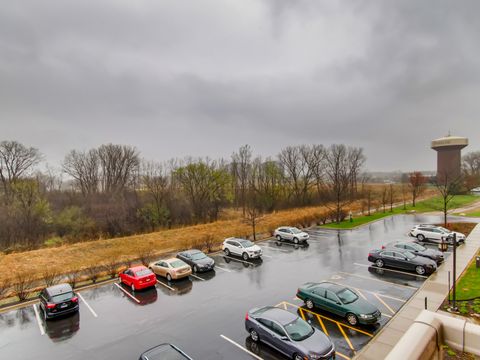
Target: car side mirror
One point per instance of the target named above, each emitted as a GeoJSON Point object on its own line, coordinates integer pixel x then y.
{"type": "Point", "coordinates": [339, 303]}
{"type": "Point", "coordinates": [284, 338]}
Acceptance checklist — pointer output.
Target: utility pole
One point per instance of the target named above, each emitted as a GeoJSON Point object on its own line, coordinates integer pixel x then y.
{"type": "Point", "coordinates": [454, 297]}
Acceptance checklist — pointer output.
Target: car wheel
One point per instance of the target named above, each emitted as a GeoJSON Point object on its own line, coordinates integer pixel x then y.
{"type": "Point", "coordinates": [420, 270]}
{"type": "Point", "coordinates": [254, 336]}
{"type": "Point", "coordinates": [379, 263]}
{"type": "Point", "coordinates": [309, 304]}
{"type": "Point", "coordinates": [227, 252]}
{"type": "Point", "coordinates": [420, 237]}
{"type": "Point", "coordinates": [352, 319]}
{"type": "Point", "coordinates": [279, 238]}
{"type": "Point", "coordinates": [297, 357]}
{"type": "Point", "coordinates": [245, 256]}
{"type": "Point", "coordinates": [295, 241]}
{"type": "Point", "coordinates": [169, 277]}
{"type": "Point", "coordinates": [195, 269]}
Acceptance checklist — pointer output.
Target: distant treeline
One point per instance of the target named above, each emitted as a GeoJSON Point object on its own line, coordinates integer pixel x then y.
{"type": "Point", "coordinates": [111, 191]}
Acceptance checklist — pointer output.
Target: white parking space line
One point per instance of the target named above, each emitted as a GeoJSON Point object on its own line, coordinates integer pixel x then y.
{"type": "Point", "coordinates": [221, 268]}
{"type": "Point", "coordinates": [267, 256]}
{"type": "Point", "coordinates": [127, 293]}
{"type": "Point", "coordinates": [382, 281]}
{"type": "Point", "coordinates": [39, 321]}
{"type": "Point", "coordinates": [384, 304]}
{"type": "Point", "coordinates": [168, 287]}
{"type": "Point", "coordinates": [87, 304]}
{"type": "Point", "coordinates": [373, 293]}
{"type": "Point", "coordinates": [231, 258]}
{"type": "Point", "coordinates": [391, 270]}
{"type": "Point", "coordinates": [197, 277]}
{"type": "Point", "coordinates": [240, 347]}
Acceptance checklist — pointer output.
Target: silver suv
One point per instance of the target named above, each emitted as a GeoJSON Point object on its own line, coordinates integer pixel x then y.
{"type": "Point", "coordinates": [435, 234]}
{"type": "Point", "coordinates": [291, 234]}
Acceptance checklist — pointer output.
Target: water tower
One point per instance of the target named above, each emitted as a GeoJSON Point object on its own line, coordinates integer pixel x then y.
{"type": "Point", "coordinates": [449, 157]}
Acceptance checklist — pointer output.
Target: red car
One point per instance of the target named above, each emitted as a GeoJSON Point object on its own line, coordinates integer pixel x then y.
{"type": "Point", "coordinates": [138, 277]}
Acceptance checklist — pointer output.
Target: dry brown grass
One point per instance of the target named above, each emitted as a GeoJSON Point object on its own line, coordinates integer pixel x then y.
{"type": "Point", "coordinates": [93, 254]}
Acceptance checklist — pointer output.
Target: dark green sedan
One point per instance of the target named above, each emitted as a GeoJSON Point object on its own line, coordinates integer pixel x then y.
{"type": "Point", "coordinates": [340, 301]}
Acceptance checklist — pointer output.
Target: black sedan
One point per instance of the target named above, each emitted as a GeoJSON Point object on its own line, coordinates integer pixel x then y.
{"type": "Point", "coordinates": [198, 261]}
{"type": "Point", "coordinates": [416, 249]}
{"type": "Point", "coordinates": [288, 333]}
{"type": "Point", "coordinates": [402, 259]}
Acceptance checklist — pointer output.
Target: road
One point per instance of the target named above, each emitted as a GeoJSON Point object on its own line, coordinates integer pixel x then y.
{"type": "Point", "coordinates": [204, 315]}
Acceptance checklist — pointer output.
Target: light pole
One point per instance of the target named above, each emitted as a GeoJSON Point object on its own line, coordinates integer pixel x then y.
{"type": "Point", "coordinates": [454, 297]}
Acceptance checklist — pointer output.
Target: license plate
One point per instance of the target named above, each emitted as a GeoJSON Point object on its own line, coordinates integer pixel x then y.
{"type": "Point", "coordinates": [63, 306]}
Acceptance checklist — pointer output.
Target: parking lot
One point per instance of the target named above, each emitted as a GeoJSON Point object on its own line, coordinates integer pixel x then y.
{"type": "Point", "coordinates": [204, 314]}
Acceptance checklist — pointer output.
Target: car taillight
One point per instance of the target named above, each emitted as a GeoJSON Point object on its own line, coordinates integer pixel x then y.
{"type": "Point", "coordinates": [74, 299]}
{"type": "Point", "coordinates": [369, 254]}
{"type": "Point", "coordinates": [246, 316]}
{"type": "Point", "coordinates": [383, 247]}
{"type": "Point", "coordinates": [51, 306]}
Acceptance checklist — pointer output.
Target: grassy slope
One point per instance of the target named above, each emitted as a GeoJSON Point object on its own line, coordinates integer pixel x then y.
{"type": "Point", "coordinates": [468, 286]}
{"type": "Point", "coordinates": [434, 204]}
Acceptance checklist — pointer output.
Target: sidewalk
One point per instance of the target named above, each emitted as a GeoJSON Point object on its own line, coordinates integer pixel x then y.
{"type": "Point", "coordinates": [435, 289]}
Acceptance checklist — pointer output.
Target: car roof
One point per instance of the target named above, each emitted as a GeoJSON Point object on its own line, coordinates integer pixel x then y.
{"type": "Point", "coordinates": [191, 251]}
{"type": "Point", "coordinates": [234, 238]}
{"type": "Point", "coordinates": [331, 286]}
{"type": "Point", "coordinates": [171, 260]}
{"type": "Point", "coordinates": [138, 268]}
{"type": "Point", "coordinates": [279, 315]}
{"type": "Point", "coordinates": [161, 351]}
{"type": "Point", "coordinates": [58, 289]}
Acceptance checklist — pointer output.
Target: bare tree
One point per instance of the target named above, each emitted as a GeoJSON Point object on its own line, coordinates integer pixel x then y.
{"type": "Point", "coordinates": [417, 184]}
{"type": "Point", "coordinates": [50, 276]}
{"type": "Point", "coordinates": [241, 167]}
{"type": "Point", "coordinates": [111, 267]}
{"type": "Point", "coordinates": [448, 187]}
{"type": "Point", "coordinates": [391, 193]}
{"type": "Point", "coordinates": [118, 167]}
{"type": "Point", "coordinates": [471, 169]}
{"type": "Point", "coordinates": [16, 160]}
{"type": "Point", "coordinates": [384, 197]}
{"type": "Point", "coordinates": [22, 284]}
{"type": "Point", "coordinates": [339, 172]}
{"type": "Point", "coordinates": [83, 167]}
{"type": "Point", "coordinates": [73, 278]}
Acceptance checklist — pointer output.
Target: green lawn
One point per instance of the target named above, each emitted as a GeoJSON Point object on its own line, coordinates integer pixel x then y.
{"type": "Point", "coordinates": [468, 286]}
{"type": "Point", "coordinates": [472, 214]}
{"type": "Point", "coordinates": [433, 204]}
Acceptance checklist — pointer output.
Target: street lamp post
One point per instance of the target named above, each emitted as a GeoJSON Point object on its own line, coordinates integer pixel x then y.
{"type": "Point", "coordinates": [454, 295]}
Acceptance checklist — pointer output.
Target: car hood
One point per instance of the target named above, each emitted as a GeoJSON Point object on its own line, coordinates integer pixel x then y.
{"type": "Point", "coordinates": [254, 248]}
{"type": "Point", "coordinates": [432, 252]}
{"type": "Point", "coordinates": [318, 343]}
{"type": "Point", "coordinates": [420, 260]}
{"type": "Point", "coordinates": [362, 306]}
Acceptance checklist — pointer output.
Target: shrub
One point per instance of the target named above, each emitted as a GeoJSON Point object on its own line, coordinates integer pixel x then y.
{"type": "Point", "coordinates": [5, 288]}
{"type": "Point", "coordinates": [94, 273]}
{"type": "Point", "coordinates": [50, 276]}
{"type": "Point", "coordinates": [73, 278]}
{"type": "Point", "coordinates": [23, 283]}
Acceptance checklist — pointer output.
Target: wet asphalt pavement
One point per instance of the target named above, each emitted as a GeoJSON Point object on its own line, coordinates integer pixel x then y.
{"type": "Point", "coordinates": [201, 314]}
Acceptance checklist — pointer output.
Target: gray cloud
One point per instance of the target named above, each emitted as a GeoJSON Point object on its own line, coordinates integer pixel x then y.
{"type": "Point", "coordinates": [178, 78]}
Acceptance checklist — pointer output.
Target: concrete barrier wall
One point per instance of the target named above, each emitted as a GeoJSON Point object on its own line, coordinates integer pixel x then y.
{"type": "Point", "coordinates": [429, 331]}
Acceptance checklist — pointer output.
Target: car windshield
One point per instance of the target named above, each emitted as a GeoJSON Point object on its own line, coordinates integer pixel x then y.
{"type": "Point", "coordinates": [444, 230]}
{"type": "Point", "coordinates": [295, 231]}
{"type": "Point", "coordinates": [143, 272]}
{"type": "Point", "coordinates": [246, 243]}
{"type": "Point", "coordinates": [62, 297]}
{"type": "Point", "coordinates": [417, 247]}
{"type": "Point", "coordinates": [177, 263]}
{"type": "Point", "coordinates": [347, 296]}
{"type": "Point", "coordinates": [409, 255]}
{"type": "Point", "coordinates": [198, 256]}
{"type": "Point", "coordinates": [299, 330]}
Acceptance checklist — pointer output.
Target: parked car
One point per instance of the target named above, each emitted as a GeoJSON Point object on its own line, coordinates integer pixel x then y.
{"type": "Point", "coordinates": [339, 300]}
{"type": "Point", "coordinates": [288, 333]}
{"type": "Point", "coordinates": [198, 261]}
{"type": "Point", "coordinates": [58, 300]}
{"type": "Point", "coordinates": [138, 278]}
{"type": "Point", "coordinates": [416, 249]}
{"type": "Point", "coordinates": [172, 269]}
{"type": "Point", "coordinates": [435, 234]}
{"type": "Point", "coordinates": [241, 247]}
{"type": "Point", "coordinates": [164, 352]}
{"type": "Point", "coordinates": [291, 234]}
{"type": "Point", "coordinates": [402, 259]}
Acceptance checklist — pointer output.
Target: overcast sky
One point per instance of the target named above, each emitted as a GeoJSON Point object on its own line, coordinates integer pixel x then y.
{"type": "Point", "coordinates": [177, 78]}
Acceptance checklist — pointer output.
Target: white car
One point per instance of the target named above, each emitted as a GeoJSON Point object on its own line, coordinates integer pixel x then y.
{"type": "Point", "coordinates": [241, 247]}
{"type": "Point", "coordinates": [435, 234]}
{"type": "Point", "coordinates": [291, 233]}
